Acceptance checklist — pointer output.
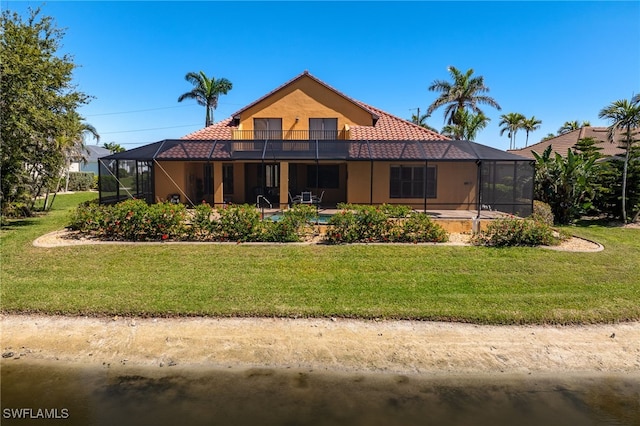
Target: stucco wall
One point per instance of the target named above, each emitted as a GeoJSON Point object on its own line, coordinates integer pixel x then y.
{"type": "Point", "coordinates": [456, 185]}
{"type": "Point", "coordinates": [304, 99]}
{"type": "Point", "coordinates": [164, 185]}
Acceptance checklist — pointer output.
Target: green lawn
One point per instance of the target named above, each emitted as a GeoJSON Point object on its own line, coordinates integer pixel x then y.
{"type": "Point", "coordinates": [473, 284]}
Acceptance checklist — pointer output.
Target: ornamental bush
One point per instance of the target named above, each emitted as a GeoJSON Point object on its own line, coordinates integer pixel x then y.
{"type": "Point", "coordinates": [542, 212]}
{"type": "Point", "coordinates": [419, 228]}
{"type": "Point", "coordinates": [81, 181]}
{"type": "Point", "coordinates": [130, 220]}
{"type": "Point", "coordinates": [382, 224]}
{"type": "Point", "coordinates": [239, 223]}
{"type": "Point", "coordinates": [294, 225]}
{"type": "Point", "coordinates": [516, 232]}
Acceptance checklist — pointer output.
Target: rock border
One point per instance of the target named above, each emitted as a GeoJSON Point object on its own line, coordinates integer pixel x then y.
{"type": "Point", "coordinates": [67, 238]}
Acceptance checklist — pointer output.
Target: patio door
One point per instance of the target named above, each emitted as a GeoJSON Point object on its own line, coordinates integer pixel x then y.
{"type": "Point", "coordinates": [263, 179]}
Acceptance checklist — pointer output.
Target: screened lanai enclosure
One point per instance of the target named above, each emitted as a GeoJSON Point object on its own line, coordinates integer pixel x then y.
{"type": "Point", "coordinates": [427, 175]}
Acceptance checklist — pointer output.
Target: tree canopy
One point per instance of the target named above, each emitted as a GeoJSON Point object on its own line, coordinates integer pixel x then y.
{"type": "Point", "coordinates": [39, 122]}
{"type": "Point", "coordinates": [206, 92]}
{"type": "Point", "coordinates": [464, 92]}
{"type": "Point", "coordinates": [624, 116]}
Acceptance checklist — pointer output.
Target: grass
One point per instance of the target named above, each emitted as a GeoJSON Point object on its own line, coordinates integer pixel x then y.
{"type": "Point", "coordinates": [471, 284]}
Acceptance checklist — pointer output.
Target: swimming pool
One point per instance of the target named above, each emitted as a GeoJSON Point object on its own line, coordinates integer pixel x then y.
{"type": "Point", "coordinates": [320, 219]}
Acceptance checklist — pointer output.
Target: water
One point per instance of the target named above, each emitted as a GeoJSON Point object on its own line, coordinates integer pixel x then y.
{"type": "Point", "coordinates": [122, 395]}
{"type": "Point", "coordinates": [320, 219]}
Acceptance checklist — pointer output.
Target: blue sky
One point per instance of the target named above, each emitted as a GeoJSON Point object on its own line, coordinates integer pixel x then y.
{"type": "Point", "coordinates": [559, 61]}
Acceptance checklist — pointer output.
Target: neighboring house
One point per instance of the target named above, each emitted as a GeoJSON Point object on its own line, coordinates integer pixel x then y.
{"type": "Point", "coordinates": [562, 143]}
{"type": "Point", "coordinates": [89, 161]}
{"type": "Point", "coordinates": [307, 136]}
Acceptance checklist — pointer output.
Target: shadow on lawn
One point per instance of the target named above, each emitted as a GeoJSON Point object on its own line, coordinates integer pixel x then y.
{"type": "Point", "coordinates": [19, 223]}
{"type": "Point", "coordinates": [604, 222]}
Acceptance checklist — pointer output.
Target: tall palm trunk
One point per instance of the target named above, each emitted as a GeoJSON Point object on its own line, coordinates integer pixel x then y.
{"type": "Point", "coordinates": [624, 176]}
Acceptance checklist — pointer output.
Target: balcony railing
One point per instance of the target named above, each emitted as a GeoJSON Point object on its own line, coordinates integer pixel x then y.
{"type": "Point", "coordinates": [295, 135]}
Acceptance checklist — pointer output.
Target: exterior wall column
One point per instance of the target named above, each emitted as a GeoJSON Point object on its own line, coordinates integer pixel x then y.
{"type": "Point", "coordinates": [218, 190]}
{"type": "Point", "coordinates": [284, 184]}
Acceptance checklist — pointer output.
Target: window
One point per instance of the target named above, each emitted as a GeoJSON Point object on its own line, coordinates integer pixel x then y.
{"type": "Point", "coordinates": [323, 128]}
{"type": "Point", "coordinates": [272, 175]}
{"type": "Point", "coordinates": [409, 182]}
{"type": "Point", "coordinates": [326, 176]}
{"type": "Point", "coordinates": [267, 128]}
{"type": "Point", "coordinates": [227, 179]}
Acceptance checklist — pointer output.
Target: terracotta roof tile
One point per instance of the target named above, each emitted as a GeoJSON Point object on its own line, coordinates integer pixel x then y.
{"type": "Point", "coordinates": [221, 130]}
{"type": "Point", "coordinates": [387, 126]}
{"type": "Point", "coordinates": [391, 128]}
{"type": "Point", "coordinates": [562, 143]}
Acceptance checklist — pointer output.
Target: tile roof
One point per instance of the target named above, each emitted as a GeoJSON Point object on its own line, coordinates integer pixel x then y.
{"type": "Point", "coordinates": [222, 130]}
{"type": "Point", "coordinates": [391, 128]}
{"type": "Point", "coordinates": [386, 127]}
{"type": "Point", "coordinates": [562, 143]}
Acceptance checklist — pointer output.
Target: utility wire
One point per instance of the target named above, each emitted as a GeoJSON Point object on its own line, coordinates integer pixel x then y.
{"type": "Point", "coordinates": [151, 109]}
{"type": "Point", "coordinates": [146, 130]}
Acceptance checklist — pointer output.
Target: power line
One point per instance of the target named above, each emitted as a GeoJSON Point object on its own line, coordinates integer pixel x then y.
{"type": "Point", "coordinates": [146, 130]}
{"type": "Point", "coordinates": [137, 110]}
{"type": "Point", "coordinates": [151, 109]}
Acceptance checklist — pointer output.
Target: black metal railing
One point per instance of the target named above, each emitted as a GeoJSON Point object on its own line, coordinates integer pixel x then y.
{"type": "Point", "coordinates": [297, 135]}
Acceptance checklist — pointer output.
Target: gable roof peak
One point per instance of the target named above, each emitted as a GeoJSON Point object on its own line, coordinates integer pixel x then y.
{"type": "Point", "coordinates": [305, 73]}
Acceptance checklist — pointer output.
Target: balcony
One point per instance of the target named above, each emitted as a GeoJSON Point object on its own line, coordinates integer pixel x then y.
{"type": "Point", "coordinates": [291, 135]}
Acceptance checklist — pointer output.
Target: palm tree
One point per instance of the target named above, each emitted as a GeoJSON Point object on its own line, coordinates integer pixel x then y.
{"type": "Point", "coordinates": [113, 147]}
{"type": "Point", "coordinates": [624, 116]}
{"type": "Point", "coordinates": [530, 125]}
{"type": "Point", "coordinates": [464, 92]}
{"type": "Point", "coordinates": [570, 126]}
{"type": "Point", "coordinates": [511, 122]}
{"type": "Point", "coordinates": [467, 127]}
{"type": "Point", "coordinates": [206, 92]}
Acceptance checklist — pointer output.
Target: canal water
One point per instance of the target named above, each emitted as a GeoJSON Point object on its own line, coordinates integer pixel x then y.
{"type": "Point", "coordinates": [47, 393]}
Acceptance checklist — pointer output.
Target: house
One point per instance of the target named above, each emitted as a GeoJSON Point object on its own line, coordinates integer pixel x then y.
{"type": "Point", "coordinates": [562, 143]}
{"type": "Point", "coordinates": [89, 160]}
{"type": "Point", "coordinates": [306, 136]}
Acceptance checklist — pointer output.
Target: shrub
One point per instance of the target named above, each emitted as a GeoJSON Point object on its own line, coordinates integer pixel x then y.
{"type": "Point", "coordinates": [542, 212]}
{"type": "Point", "coordinates": [393, 210]}
{"type": "Point", "coordinates": [130, 220]}
{"type": "Point", "coordinates": [108, 184]}
{"type": "Point", "coordinates": [294, 225]}
{"type": "Point", "coordinates": [419, 228]}
{"type": "Point", "coordinates": [80, 181]}
{"type": "Point", "coordinates": [16, 209]}
{"type": "Point", "coordinates": [516, 232]}
{"type": "Point", "coordinates": [358, 224]}
{"type": "Point", "coordinates": [237, 223]}
{"type": "Point", "coordinates": [203, 223]}
{"type": "Point", "coordinates": [383, 224]}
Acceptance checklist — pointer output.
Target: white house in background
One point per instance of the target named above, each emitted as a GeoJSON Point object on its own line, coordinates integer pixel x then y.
{"type": "Point", "coordinates": [89, 162]}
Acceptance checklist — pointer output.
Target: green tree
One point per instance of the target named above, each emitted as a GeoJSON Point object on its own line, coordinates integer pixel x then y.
{"type": "Point", "coordinates": [464, 92]}
{"type": "Point", "coordinates": [570, 126]}
{"type": "Point", "coordinates": [422, 121]}
{"type": "Point", "coordinates": [565, 183]}
{"type": "Point", "coordinates": [511, 123]}
{"type": "Point", "coordinates": [530, 125]}
{"type": "Point", "coordinates": [39, 122]}
{"type": "Point", "coordinates": [206, 92]}
{"type": "Point", "coordinates": [624, 116]}
{"type": "Point", "coordinates": [467, 125]}
{"type": "Point", "coordinates": [113, 147]}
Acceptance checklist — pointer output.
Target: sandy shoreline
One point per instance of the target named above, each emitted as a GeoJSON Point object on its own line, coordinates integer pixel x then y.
{"type": "Point", "coordinates": [410, 347]}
